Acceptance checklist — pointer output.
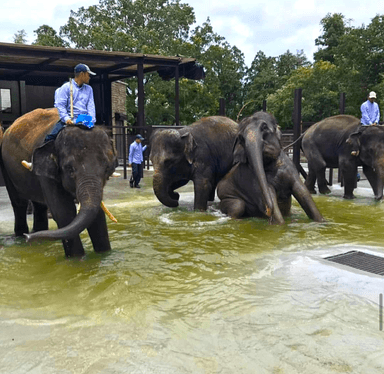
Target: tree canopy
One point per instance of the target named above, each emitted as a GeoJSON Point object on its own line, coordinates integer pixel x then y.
{"type": "Point", "coordinates": [349, 59]}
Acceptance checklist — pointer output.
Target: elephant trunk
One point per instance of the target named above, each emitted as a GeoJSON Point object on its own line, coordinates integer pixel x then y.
{"type": "Point", "coordinates": [254, 147]}
{"type": "Point", "coordinates": [162, 191]}
{"type": "Point", "coordinates": [89, 194]}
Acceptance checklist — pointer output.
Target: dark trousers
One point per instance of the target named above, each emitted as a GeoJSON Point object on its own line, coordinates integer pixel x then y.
{"type": "Point", "coordinates": [56, 129]}
{"type": "Point", "coordinates": [137, 172]}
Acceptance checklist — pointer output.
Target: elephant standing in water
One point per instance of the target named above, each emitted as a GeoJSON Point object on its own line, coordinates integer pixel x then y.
{"type": "Point", "coordinates": [328, 144]}
{"type": "Point", "coordinates": [76, 165]}
{"type": "Point", "coordinates": [200, 152]}
{"type": "Point", "coordinates": [263, 179]}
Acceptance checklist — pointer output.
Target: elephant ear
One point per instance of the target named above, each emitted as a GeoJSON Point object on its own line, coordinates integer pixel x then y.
{"type": "Point", "coordinates": [189, 147]}
{"type": "Point", "coordinates": [239, 154]}
{"type": "Point", "coordinates": [44, 161]}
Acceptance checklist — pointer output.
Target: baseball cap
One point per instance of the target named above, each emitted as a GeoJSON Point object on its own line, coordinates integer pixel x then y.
{"type": "Point", "coordinates": [82, 67]}
{"type": "Point", "coordinates": [138, 136]}
{"type": "Point", "coordinates": [372, 95]}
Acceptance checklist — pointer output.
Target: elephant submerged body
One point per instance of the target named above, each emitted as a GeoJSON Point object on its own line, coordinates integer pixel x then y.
{"type": "Point", "coordinates": [263, 179]}
{"type": "Point", "coordinates": [328, 144]}
{"type": "Point", "coordinates": [201, 152]}
{"type": "Point", "coordinates": [74, 166]}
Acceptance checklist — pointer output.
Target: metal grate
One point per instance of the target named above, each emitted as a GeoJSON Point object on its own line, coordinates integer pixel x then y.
{"type": "Point", "coordinates": [360, 260]}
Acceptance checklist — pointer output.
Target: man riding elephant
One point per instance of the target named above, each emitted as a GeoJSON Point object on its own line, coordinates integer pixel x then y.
{"type": "Point", "coordinates": [370, 116]}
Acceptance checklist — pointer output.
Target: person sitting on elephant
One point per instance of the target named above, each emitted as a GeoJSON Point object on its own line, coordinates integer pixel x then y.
{"type": "Point", "coordinates": [370, 116]}
{"type": "Point", "coordinates": [82, 102]}
{"type": "Point", "coordinates": [136, 159]}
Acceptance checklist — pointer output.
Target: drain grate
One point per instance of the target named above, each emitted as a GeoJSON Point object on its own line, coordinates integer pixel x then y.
{"type": "Point", "coordinates": [360, 260]}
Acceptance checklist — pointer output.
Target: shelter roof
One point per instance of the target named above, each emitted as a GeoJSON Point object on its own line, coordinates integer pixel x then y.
{"type": "Point", "coordinates": [50, 66]}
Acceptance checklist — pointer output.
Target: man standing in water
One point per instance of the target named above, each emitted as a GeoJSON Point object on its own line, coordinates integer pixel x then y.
{"type": "Point", "coordinates": [136, 160]}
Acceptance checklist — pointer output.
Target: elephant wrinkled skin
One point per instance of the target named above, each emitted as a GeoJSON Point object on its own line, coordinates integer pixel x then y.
{"type": "Point", "coordinates": [201, 152]}
{"type": "Point", "coordinates": [263, 179]}
{"type": "Point", "coordinates": [326, 144]}
{"type": "Point", "coordinates": [74, 166]}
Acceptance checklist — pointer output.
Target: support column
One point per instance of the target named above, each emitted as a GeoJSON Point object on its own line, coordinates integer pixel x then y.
{"type": "Point", "coordinates": [297, 127]}
{"type": "Point", "coordinates": [177, 97]}
{"type": "Point", "coordinates": [140, 84]}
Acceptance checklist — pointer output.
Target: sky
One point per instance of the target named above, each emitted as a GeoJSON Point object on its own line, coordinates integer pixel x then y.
{"type": "Point", "coordinates": [271, 26]}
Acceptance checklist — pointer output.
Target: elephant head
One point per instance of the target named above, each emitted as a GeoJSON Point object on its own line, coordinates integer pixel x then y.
{"type": "Point", "coordinates": [74, 166]}
{"type": "Point", "coordinates": [258, 144]}
{"type": "Point", "coordinates": [172, 156]}
{"type": "Point", "coordinates": [371, 154]}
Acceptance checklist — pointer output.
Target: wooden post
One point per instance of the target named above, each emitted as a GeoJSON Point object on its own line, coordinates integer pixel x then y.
{"type": "Point", "coordinates": [140, 83]}
{"type": "Point", "coordinates": [177, 97]}
{"type": "Point", "coordinates": [264, 105]}
{"type": "Point", "coordinates": [297, 127]}
{"type": "Point", "coordinates": [221, 107]}
{"type": "Point", "coordinates": [125, 151]}
{"type": "Point", "coordinates": [342, 103]}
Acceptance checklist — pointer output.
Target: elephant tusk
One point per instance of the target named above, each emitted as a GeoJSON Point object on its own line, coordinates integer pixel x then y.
{"type": "Point", "coordinates": [268, 212]}
{"type": "Point", "coordinates": [106, 211]}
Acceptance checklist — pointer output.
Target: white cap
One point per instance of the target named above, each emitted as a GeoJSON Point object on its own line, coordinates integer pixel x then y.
{"type": "Point", "coordinates": [372, 95]}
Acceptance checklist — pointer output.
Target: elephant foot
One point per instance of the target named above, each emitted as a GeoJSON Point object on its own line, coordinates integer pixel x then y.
{"type": "Point", "coordinates": [325, 191]}
{"type": "Point", "coordinates": [349, 197]}
{"type": "Point", "coordinates": [312, 191]}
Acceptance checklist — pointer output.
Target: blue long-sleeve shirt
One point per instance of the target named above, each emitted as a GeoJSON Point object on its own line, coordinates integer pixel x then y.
{"type": "Point", "coordinates": [370, 113]}
{"type": "Point", "coordinates": [136, 153]}
{"type": "Point", "coordinates": [83, 101]}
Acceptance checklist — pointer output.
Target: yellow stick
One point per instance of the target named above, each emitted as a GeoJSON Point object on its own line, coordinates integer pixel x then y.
{"type": "Point", "coordinates": [106, 211]}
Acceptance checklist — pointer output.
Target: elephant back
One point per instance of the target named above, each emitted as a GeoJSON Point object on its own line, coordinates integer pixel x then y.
{"type": "Point", "coordinates": [29, 130]}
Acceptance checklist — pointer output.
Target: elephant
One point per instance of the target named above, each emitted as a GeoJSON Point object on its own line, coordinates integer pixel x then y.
{"type": "Point", "coordinates": [328, 143]}
{"type": "Point", "coordinates": [263, 178]}
{"type": "Point", "coordinates": [200, 152]}
{"type": "Point", "coordinates": [76, 165]}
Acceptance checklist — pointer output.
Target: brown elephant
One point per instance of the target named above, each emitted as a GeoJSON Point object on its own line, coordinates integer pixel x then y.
{"type": "Point", "coordinates": [76, 165]}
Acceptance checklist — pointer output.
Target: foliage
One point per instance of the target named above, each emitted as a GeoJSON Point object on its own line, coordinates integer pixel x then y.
{"type": "Point", "coordinates": [46, 35]}
{"type": "Point", "coordinates": [267, 75]}
{"type": "Point", "coordinates": [320, 94]}
{"type": "Point", "coordinates": [20, 37]}
{"type": "Point", "coordinates": [163, 27]}
{"type": "Point", "coordinates": [334, 28]}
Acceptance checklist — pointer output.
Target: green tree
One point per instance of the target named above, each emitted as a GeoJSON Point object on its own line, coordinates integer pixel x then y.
{"type": "Point", "coordinates": [141, 26]}
{"type": "Point", "coordinates": [163, 27]}
{"type": "Point", "coordinates": [320, 95]}
{"type": "Point", "coordinates": [334, 27]}
{"type": "Point", "coordinates": [268, 74]}
{"type": "Point", "coordinates": [46, 35]}
{"type": "Point", "coordinates": [20, 37]}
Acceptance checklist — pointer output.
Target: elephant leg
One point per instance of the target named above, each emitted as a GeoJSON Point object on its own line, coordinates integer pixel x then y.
{"type": "Point", "coordinates": [233, 207]}
{"type": "Point", "coordinates": [322, 182]}
{"type": "Point", "coordinates": [20, 211]}
{"type": "Point", "coordinates": [310, 181]}
{"type": "Point", "coordinates": [349, 174]}
{"type": "Point", "coordinates": [203, 188]}
{"type": "Point", "coordinates": [63, 209]}
{"type": "Point", "coordinates": [375, 182]}
{"type": "Point", "coordinates": [40, 217]}
{"type": "Point", "coordinates": [98, 233]}
{"type": "Point", "coordinates": [19, 206]}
